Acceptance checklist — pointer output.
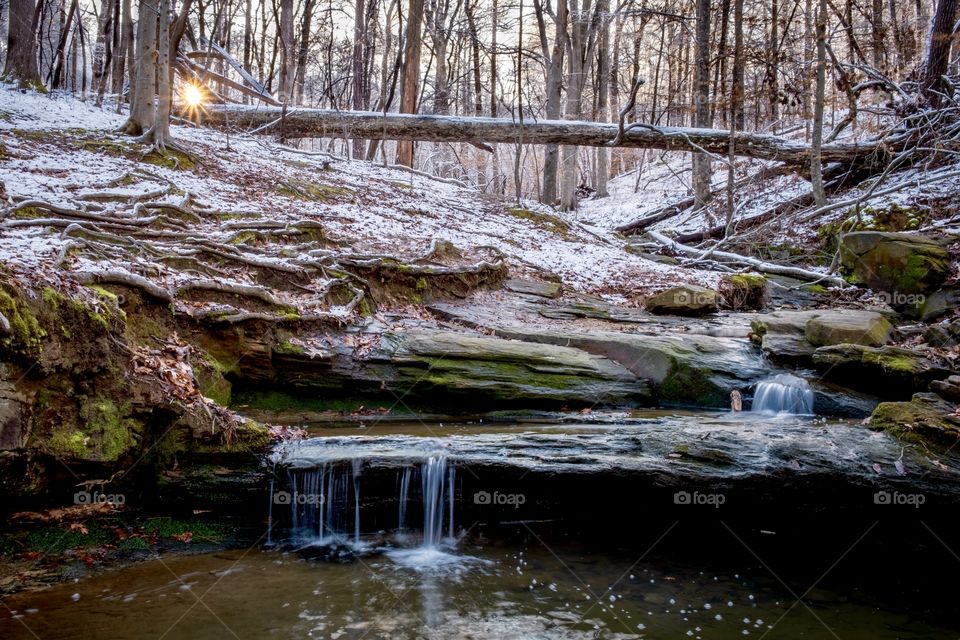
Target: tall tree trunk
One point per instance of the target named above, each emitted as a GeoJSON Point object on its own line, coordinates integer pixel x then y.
{"type": "Point", "coordinates": [287, 57]}
{"type": "Point", "coordinates": [701, 97]}
{"type": "Point", "coordinates": [21, 62]}
{"type": "Point", "coordinates": [159, 134]}
{"type": "Point", "coordinates": [816, 165]}
{"type": "Point", "coordinates": [773, 64]}
{"type": "Point", "coordinates": [143, 71]}
{"type": "Point", "coordinates": [306, 24]}
{"type": "Point", "coordinates": [551, 155]}
{"type": "Point", "coordinates": [737, 87]}
{"type": "Point", "coordinates": [938, 51]}
{"type": "Point", "coordinates": [879, 33]}
{"type": "Point", "coordinates": [358, 67]}
{"type": "Point", "coordinates": [602, 173]}
{"type": "Point", "coordinates": [411, 73]}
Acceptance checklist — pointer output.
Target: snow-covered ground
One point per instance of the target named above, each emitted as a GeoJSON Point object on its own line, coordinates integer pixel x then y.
{"type": "Point", "coordinates": [61, 150]}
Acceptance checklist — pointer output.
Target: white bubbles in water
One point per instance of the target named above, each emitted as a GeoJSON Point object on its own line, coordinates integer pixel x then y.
{"type": "Point", "coordinates": [75, 597]}
{"type": "Point", "coordinates": [707, 605]}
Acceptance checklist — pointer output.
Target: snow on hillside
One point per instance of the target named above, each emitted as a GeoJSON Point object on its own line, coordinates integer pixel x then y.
{"type": "Point", "coordinates": [63, 151]}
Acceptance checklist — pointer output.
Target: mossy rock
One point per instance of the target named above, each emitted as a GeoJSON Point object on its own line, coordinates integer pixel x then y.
{"type": "Point", "coordinates": [103, 432]}
{"type": "Point", "coordinates": [896, 263]}
{"type": "Point", "coordinates": [852, 327]}
{"type": "Point", "coordinates": [888, 371]}
{"type": "Point", "coordinates": [24, 337]}
{"type": "Point", "coordinates": [684, 300]}
{"type": "Point", "coordinates": [924, 419]}
{"type": "Point", "coordinates": [745, 291]}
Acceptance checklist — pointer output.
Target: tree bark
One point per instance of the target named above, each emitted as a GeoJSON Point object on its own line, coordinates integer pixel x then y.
{"type": "Point", "coordinates": [21, 62]}
{"type": "Point", "coordinates": [554, 88]}
{"type": "Point", "coordinates": [701, 97]}
{"type": "Point", "coordinates": [143, 71]}
{"type": "Point", "coordinates": [319, 123]}
{"type": "Point", "coordinates": [357, 60]}
{"type": "Point", "coordinates": [938, 51]}
{"type": "Point", "coordinates": [287, 58]}
{"type": "Point", "coordinates": [411, 74]}
{"type": "Point", "coordinates": [816, 155]}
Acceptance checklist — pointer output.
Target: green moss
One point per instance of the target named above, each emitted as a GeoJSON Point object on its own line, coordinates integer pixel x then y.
{"type": "Point", "coordinates": [288, 348]}
{"type": "Point", "coordinates": [169, 527]}
{"type": "Point", "coordinates": [133, 544]}
{"type": "Point", "coordinates": [545, 221]}
{"type": "Point", "coordinates": [56, 539]}
{"type": "Point", "coordinates": [109, 431]}
{"type": "Point", "coordinates": [303, 190]}
{"type": "Point", "coordinates": [26, 333]}
{"type": "Point", "coordinates": [171, 159]}
{"type": "Point", "coordinates": [3, 151]}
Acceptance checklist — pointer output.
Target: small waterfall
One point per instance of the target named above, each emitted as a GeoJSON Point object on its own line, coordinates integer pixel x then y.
{"type": "Point", "coordinates": [323, 499]}
{"type": "Point", "coordinates": [404, 497]}
{"type": "Point", "coordinates": [784, 393]}
{"type": "Point", "coordinates": [434, 476]}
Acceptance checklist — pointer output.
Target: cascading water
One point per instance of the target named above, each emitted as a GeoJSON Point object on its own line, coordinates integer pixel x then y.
{"type": "Point", "coordinates": [323, 499]}
{"type": "Point", "coordinates": [783, 393]}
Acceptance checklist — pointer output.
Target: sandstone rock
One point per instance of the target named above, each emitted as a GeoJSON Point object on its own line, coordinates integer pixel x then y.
{"type": "Point", "coordinates": [534, 288]}
{"type": "Point", "coordinates": [926, 417]}
{"type": "Point", "coordinates": [849, 327]}
{"type": "Point", "coordinates": [943, 336]}
{"type": "Point", "coordinates": [684, 300]}
{"type": "Point", "coordinates": [948, 389]}
{"type": "Point", "coordinates": [745, 291]}
{"type": "Point", "coordinates": [896, 263]}
{"type": "Point", "coordinates": [795, 335]}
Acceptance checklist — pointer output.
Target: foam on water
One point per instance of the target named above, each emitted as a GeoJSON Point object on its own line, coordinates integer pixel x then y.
{"type": "Point", "coordinates": [783, 393]}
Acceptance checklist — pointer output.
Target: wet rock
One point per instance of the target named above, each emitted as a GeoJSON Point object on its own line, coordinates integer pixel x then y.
{"type": "Point", "coordinates": [745, 291]}
{"type": "Point", "coordinates": [944, 335]}
{"type": "Point", "coordinates": [692, 370]}
{"type": "Point", "coordinates": [890, 371]}
{"type": "Point", "coordinates": [487, 369]}
{"type": "Point", "coordinates": [933, 305]}
{"type": "Point", "coordinates": [926, 417]}
{"type": "Point", "coordinates": [948, 389]}
{"type": "Point", "coordinates": [534, 288]}
{"type": "Point", "coordinates": [684, 300]}
{"type": "Point", "coordinates": [896, 263]}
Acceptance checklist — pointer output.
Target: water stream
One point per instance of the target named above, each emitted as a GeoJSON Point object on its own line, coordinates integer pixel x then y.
{"type": "Point", "coordinates": [784, 393]}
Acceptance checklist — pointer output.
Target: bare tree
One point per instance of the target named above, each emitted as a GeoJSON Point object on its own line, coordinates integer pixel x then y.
{"type": "Point", "coordinates": [701, 97]}
{"type": "Point", "coordinates": [411, 74]}
{"type": "Point", "coordinates": [816, 161]}
{"type": "Point", "coordinates": [937, 61]}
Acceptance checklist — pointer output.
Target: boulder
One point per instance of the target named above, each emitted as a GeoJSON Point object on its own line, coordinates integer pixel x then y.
{"type": "Point", "coordinates": [848, 327]}
{"type": "Point", "coordinates": [534, 288]}
{"type": "Point", "coordinates": [926, 418]}
{"type": "Point", "coordinates": [944, 335]}
{"type": "Point", "coordinates": [793, 336]}
{"type": "Point", "coordinates": [888, 371]}
{"type": "Point", "coordinates": [745, 291]}
{"type": "Point", "coordinates": [477, 370]}
{"type": "Point", "coordinates": [684, 300]}
{"type": "Point", "coordinates": [933, 305]}
{"type": "Point", "coordinates": [900, 264]}
{"type": "Point", "coordinates": [948, 389]}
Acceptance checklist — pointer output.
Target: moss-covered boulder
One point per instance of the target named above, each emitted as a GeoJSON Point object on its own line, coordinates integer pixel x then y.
{"type": "Point", "coordinates": [888, 371]}
{"type": "Point", "coordinates": [897, 263]}
{"type": "Point", "coordinates": [852, 327]}
{"type": "Point", "coordinates": [684, 300]}
{"type": "Point", "coordinates": [925, 418]}
{"type": "Point", "coordinates": [745, 291]}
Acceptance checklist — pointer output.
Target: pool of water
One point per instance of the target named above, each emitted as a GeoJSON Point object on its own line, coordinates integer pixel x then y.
{"type": "Point", "coordinates": [483, 589]}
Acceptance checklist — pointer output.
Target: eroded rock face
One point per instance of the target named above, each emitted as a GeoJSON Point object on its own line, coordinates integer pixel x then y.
{"type": "Point", "coordinates": [896, 263]}
{"type": "Point", "coordinates": [482, 368]}
{"type": "Point", "coordinates": [685, 300]}
{"type": "Point", "coordinates": [891, 371]}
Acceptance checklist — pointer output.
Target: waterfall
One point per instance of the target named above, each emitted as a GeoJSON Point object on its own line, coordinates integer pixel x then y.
{"type": "Point", "coordinates": [434, 481]}
{"type": "Point", "coordinates": [323, 499]}
{"type": "Point", "coordinates": [404, 496]}
{"type": "Point", "coordinates": [784, 393]}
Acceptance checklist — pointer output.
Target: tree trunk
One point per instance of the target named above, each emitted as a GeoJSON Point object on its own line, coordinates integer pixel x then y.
{"type": "Point", "coordinates": [306, 24]}
{"type": "Point", "coordinates": [551, 155]}
{"type": "Point", "coordinates": [701, 98]}
{"type": "Point", "coordinates": [602, 173]}
{"type": "Point", "coordinates": [938, 51]}
{"type": "Point", "coordinates": [143, 72]}
{"type": "Point", "coordinates": [736, 90]}
{"type": "Point", "coordinates": [357, 62]}
{"type": "Point", "coordinates": [287, 58]}
{"type": "Point", "coordinates": [21, 64]}
{"type": "Point", "coordinates": [411, 74]}
{"type": "Point", "coordinates": [816, 153]}
{"type": "Point", "coordinates": [320, 123]}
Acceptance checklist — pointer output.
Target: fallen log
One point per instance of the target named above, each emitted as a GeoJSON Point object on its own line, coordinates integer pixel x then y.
{"type": "Point", "coordinates": [322, 123]}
